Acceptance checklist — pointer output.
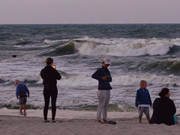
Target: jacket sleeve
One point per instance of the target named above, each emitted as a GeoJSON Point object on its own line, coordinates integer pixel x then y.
{"type": "Point", "coordinates": [42, 74]}
{"type": "Point", "coordinates": [27, 90]}
{"type": "Point", "coordinates": [110, 79]}
{"type": "Point", "coordinates": [58, 76]}
{"type": "Point", "coordinates": [97, 75]}
{"type": "Point", "coordinates": [136, 102]}
{"type": "Point", "coordinates": [17, 91]}
{"type": "Point", "coordinates": [173, 108]}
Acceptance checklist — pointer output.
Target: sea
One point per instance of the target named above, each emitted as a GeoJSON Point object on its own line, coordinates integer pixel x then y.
{"type": "Point", "coordinates": [137, 51]}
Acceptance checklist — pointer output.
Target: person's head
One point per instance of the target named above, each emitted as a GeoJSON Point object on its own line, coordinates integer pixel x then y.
{"type": "Point", "coordinates": [143, 84]}
{"type": "Point", "coordinates": [106, 62]}
{"type": "Point", "coordinates": [49, 61]}
{"type": "Point", "coordinates": [16, 82]}
{"type": "Point", "coordinates": [164, 93]}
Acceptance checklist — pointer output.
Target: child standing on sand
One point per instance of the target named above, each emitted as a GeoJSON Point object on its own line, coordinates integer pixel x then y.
{"type": "Point", "coordinates": [22, 93]}
{"type": "Point", "coordinates": [143, 101]}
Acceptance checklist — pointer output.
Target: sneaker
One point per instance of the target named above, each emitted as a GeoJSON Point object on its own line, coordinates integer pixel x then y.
{"type": "Point", "coordinates": [99, 121]}
{"type": "Point", "coordinates": [105, 121]}
{"type": "Point", "coordinates": [46, 121]}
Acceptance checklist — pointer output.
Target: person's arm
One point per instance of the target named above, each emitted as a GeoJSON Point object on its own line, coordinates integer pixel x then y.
{"type": "Point", "coordinates": [58, 76]}
{"type": "Point", "coordinates": [136, 102]}
{"type": "Point", "coordinates": [110, 77]}
{"type": "Point", "coordinates": [27, 90]}
{"type": "Point", "coordinates": [17, 92]}
{"type": "Point", "coordinates": [173, 107]}
{"type": "Point", "coordinates": [97, 75]}
{"type": "Point", "coordinates": [42, 74]}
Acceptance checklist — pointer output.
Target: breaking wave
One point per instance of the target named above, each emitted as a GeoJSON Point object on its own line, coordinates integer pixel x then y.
{"type": "Point", "coordinates": [117, 47]}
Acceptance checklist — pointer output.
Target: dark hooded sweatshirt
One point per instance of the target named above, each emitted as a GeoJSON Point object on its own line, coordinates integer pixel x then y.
{"type": "Point", "coordinates": [163, 111]}
{"type": "Point", "coordinates": [50, 76]}
{"type": "Point", "coordinates": [103, 84]}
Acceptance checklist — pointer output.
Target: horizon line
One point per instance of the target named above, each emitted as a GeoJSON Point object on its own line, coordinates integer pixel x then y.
{"type": "Point", "coordinates": [81, 23]}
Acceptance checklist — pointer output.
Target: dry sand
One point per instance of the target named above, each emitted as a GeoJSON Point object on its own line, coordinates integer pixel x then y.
{"type": "Point", "coordinates": [75, 125]}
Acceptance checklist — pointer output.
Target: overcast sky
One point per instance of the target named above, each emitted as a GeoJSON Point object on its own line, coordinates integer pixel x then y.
{"type": "Point", "coordinates": [89, 11]}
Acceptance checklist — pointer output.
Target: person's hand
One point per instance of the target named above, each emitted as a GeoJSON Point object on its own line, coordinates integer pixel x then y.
{"type": "Point", "coordinates": [104, 78]}
{"type": "Point", "coordinates": [54, 66]}
{"type": "Point", "coordinates": [18, 97]}
{"type": "Point", "coordinates": [28, 96]}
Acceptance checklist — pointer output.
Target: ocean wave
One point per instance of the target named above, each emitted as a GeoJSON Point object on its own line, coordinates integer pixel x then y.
{"type": "Point", "coordinates": [170, 66]}
{"type": "Point", "coordinates": [124, 80]}
{"type": "Point", "coordinates": [117, 47]}
{"type": "Point", "coordinates": [22, 42]}
{"type": "Point", "coordinates": [48, 41]}
{"type": "Point", "coordinates": [65, 49]}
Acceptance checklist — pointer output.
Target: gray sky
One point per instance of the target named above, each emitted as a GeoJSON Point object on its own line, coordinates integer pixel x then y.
{"type": "Point", "coordinates": [89, 11]}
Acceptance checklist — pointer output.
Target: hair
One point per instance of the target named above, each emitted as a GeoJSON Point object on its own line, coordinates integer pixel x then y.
{"type": "Point", "coordinates": [16, 82]}
{"type": "Point", "coordinates": [163, 92]}
{"type": "Point", "coordinates": [143, 81]}
{"type": "Point", "coordinates": [49, 61]}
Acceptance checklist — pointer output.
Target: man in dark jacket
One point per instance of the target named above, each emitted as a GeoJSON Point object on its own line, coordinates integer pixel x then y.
{"type": "Point", "coordinates": [50, 76]}
{"type": "Point", "coordinates": [104, 77]}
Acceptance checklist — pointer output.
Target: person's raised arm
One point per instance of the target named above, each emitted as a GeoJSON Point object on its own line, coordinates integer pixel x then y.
{"type": "Point", "coordinates": [58, 76]}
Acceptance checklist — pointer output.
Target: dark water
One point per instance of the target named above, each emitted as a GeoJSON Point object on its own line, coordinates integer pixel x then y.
{"type": "Point", "coordinates": [142, 51]}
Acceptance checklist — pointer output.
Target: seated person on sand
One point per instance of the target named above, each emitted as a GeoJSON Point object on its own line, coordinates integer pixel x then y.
{"type": "Point", "coordinates": [22, 93]}
{"type": "Point", "coordinates": [163, 109]}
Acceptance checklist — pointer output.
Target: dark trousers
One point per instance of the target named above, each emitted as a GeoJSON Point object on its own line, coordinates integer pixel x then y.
{"type": "Point", "coordinates": [50, 92]}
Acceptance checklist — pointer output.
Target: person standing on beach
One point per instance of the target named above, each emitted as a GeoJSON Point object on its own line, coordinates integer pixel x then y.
{"type": "Point", "coordinates": [143, 101]}
{"type": "Point", "coordinates": [104, 78]}
{"type": "Point", "coordinates": [50, 76]}
{"type": "Point", "coordinates": [22, 93]}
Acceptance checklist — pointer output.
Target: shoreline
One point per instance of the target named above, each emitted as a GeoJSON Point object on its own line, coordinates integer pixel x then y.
{"type": "Point", "coordinates": [72, 114]}
{"type": "Point", "coordinates": [68, 114]}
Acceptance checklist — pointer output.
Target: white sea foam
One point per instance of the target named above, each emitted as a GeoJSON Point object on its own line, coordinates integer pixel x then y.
{"type": "Point", "coordinates": [47, 41]}
{"type": "Point", "coordinates": [124, 47]}
{"type": "Point", "coordinates": [125, 80]}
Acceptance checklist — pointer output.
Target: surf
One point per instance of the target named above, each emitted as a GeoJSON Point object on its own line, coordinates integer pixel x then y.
{"type": "Point", "coordinates": [120, 47]}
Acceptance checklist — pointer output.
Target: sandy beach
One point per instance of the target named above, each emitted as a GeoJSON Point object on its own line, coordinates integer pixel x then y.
{"type": "Point", "coordinates": [78, 123]}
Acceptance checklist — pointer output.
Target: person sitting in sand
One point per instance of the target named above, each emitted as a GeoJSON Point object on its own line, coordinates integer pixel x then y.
{"type": "Point", "coordinates": [104, 77]}
{"type": "Point", "coordinates": [163, 109]}
{"type": "Point", "coordinates": [143, 101]}
{"type": "Point", "coordinates": [22, 93]}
